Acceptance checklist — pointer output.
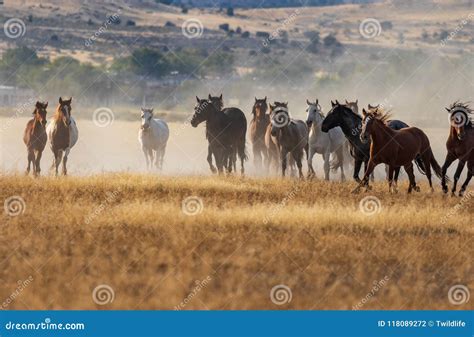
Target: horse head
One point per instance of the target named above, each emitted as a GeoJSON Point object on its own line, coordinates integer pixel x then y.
{"type": "Point", "coordinates": [40, 112]}
{"type": "Point", "coordinates": [217, 101]}
{"type": "Point", "coordinates": [147, 116]}
{"type": "Point", "coordinates": [280, 117]}
{"type": "Point", "coordinates": [202, 111]}
{"type": "Point", "coordinates": [354, 106]}
{"type": "Point", "coordinates": [314, 113]}
{"type": "Point", "coordinates": [460, 118]}
{"type": "Point", "coordinates": [64, 111]}
{"type": "Point", "coordinates": [260, 108]}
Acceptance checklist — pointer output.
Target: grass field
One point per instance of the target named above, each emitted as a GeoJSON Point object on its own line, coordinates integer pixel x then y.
{"type": "Point", "coordinates": [154, 248]}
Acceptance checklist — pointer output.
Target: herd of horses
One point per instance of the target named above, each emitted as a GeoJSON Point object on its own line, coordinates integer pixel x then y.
{"type": "Point", "coordinates": [279, 141]}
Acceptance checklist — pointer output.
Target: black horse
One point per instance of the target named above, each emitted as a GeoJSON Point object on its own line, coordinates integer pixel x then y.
{"type": "Point", "coordinates": [225, 130]}
{"type": "Point", "coordinates": [351, 124]}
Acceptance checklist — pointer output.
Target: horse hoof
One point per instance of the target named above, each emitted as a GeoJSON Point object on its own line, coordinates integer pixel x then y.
{"type": "Point", "coordinates": [461, 193]}
{"type": "Point", "coordinates": [416, 188]}
{"type": "Point", "coordinates": [445, 189]}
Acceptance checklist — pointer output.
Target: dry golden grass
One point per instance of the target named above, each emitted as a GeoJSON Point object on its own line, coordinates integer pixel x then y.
{"type": "Point", "coordinates": [251, 235]}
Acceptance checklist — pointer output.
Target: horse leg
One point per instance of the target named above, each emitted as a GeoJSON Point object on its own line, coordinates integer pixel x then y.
{"type": "Point", "coordinates": [426, 159]}
{"type": "Point", "coordinates": [457, 174]}
{"type": "Point", "coordinates": [257, 156]}
{"type": "Point", "coordinates": [283, 158]}
{"type": "Point", "coordinates": [145, 152]}
{"type": "Point", "coordinates": [365, 181]}
{"type": "Point", "coordinates": [39, 154]}
{"type": "Point", "coordinates": [31, 158]}
{"type": "Point", "coordinates": [372, 177]}
{"type": "Point", "coordinates": [447, 162]}
{"type": "Point", "coordinates": [357, 166]}
{"type": "Point", "coordinates": [411, 177]}
{"type": "Point", "coordinates": [470, 171]}
{"type": "Point", "coordinates": [209, 159]}
{"type": "Point", "coordinates": [340, 156]}
{"type": "Point", "coordinates": [311, 172]}
{"type": "Point", "coordinates": [395, 179]}
{"type": "Point", "coordinates": [57, 161]}
{"type": "Point", "coordinates": [156, 153]}
{"type": "Point", "coordinates": [326, 157]}
{"type": "Point", "coordinates": [66, 154]}
{"type": "Point", "coordinates": [297, 156]}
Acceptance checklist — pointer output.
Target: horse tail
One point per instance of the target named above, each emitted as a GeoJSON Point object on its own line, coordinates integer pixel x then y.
{"type": "Point", "coordinates": [434, 164]}
{"type": "Point", "coordinates": [242, 151]}
{"type": "Point", "coordinates": [420, 165]}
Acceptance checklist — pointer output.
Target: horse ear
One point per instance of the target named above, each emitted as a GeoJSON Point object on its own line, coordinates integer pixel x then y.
{"type": "Point", "coordinates": [60, 100]}
{"type": "Point", "coordinates": [210, 96]}
{"type": "Point", "coordinates": [265, 99]}
{"type": "Point", "coordinates": [272, 106]}
{"type": "Point", "coordinates": [364, 112]}
{"type": "Point", "coordinates": [70, 100]}
{"type": "Point", "coordinates": [151, 111]}
{"type": "Point", "coordinates": [197, 99]}
{"type": "Point", "coordinates": [337, 103]}
{"type": "Point", "coordinates": [317, 101]}
{"type": "Point", "coordinates": [332, 103]}
{"type": "Point", "coordinates": [286, 104]}
{"type": "Point", "coordinates": [347, 102]}
{"type": "Point", "coordinates": [256, 99]}
{"type": "Point", "coordinates": [448, 110]}
{"type": "Point", "coordinates": [46, 105]}
{"type": "Point", "coordinates": [357, 101]}
{"type": "Point", "coordinates": [220, 97]}
{"type": "Point", "coordinates": [307, 102]}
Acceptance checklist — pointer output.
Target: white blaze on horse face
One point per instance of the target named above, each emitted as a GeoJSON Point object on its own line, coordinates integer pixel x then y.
{"type": "Point", "coordinates": [366, 120]}
{"type": "Point", "coordinates": [146, 118]}
{"type": "Point", "coordinates": [66, 114]}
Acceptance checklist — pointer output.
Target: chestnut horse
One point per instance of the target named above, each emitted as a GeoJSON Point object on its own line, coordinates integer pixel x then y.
{"type": "Point", "coordinates": [35, 137]}
{"type": "Point", "coordinates": [62, 134]}
{"type": "Point", "coordinates": [460, 145]}
{"type": "Point", "coordinates": [396, 148]}
{"type": "Point", "coordinates": [258, 127]}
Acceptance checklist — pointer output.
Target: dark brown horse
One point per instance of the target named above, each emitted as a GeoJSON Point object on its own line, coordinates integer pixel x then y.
{"type": "Point", "coordinates": [460, 145]}
{"type": "Point", "coordinates": [218, 102]}
{"type": "Point", "coordinates": [291, 135]}
{"type": "Point", "coordinates": [35, 137]}
{"type": "Point", "coordinates": [258, 127]}
{"type": "Point", "coordinates": [396, 148]}
{"type": "Point", "coordinates": [225, 131]}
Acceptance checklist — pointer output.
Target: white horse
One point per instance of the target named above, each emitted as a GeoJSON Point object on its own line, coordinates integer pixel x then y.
{"type": "Point", "coordinates": [153, 136]}
{"type": "Point", "coordinates": [325, 143]}
{"type": "Point", "coordinates": [62, 134]}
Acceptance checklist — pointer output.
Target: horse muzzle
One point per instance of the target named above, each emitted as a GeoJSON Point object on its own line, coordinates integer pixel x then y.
{"type": "Point", "coordinates": [363, 139]}
{"type": "Point", "coordinates": [309, 123]}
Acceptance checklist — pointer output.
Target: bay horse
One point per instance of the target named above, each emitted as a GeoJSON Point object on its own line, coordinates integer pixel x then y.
{"type": "Point", "coordinates": [153, 136]}
{"type": "Point", "coordinates": [62, 134]}
{"type": "Point", "coordinates": [396, 148]}
{"type": "Point", "coordinates": [350, 122]}
{"type": "Point", "coordinates": [291, 135]}
{"type": "Point", "coordinates": [258, 127]}
{"type": "Point", "coordinates": [35, 137]}
{"type": "Point", "coordinates": [460, 145]}
{"type": "Point", "coordinates": [324, 143]}
{"type": "Point", "coordinates": [226, 131]}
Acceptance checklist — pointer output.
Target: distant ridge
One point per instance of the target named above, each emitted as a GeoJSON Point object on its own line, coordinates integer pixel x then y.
{"type": "Point", "coordinates": [259, 3]}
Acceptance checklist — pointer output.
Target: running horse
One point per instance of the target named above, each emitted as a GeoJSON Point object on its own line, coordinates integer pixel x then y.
{"type": "Point", "coordinates": [258, 127]}
{"type": "Point", "coordinates": [225, 132]}
{"type": "Point", "coordinates": [62, 134]}
{"type": "Point", "coordinates": [291, 135]}
{"type": "Point", "coordinates": [395, 148]}
{"type": "Point", "coordinates": [460, 145]}
{"type": "Point", "coordinates": [35, 137]}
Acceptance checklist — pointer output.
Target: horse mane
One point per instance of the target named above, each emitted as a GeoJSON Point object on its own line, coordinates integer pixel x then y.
{"type": "Point", "coordinates": [461, 105]}
{"type": "Point", "coordinates": [380, 114]}
{"type": "Point", "coordinates": [350, 110]}
{"type": "Point", "coordinates": [58, 113]}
